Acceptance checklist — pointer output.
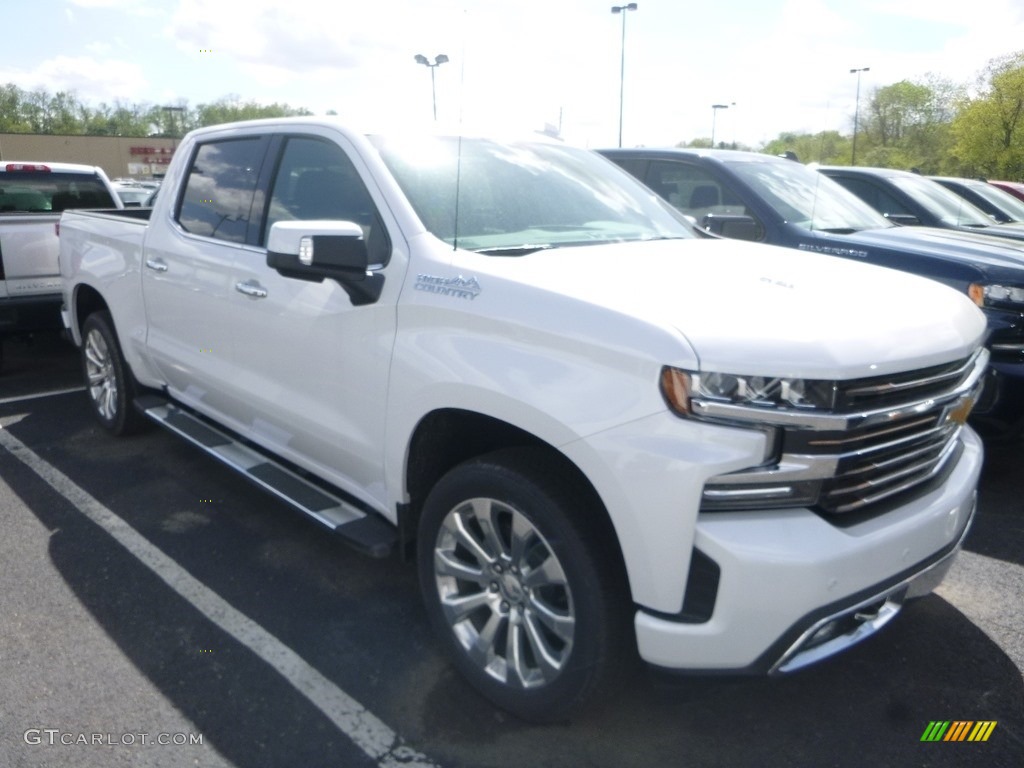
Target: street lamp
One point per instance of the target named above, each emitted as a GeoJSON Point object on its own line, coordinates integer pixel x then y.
{"type": "Point", "coordinates": [856, 112]}
{"type": "Point", "coordinates": [622, 64]}
{"type": "Point", "coordinates": [438, 61]}
{"type": "Point", "coordinates": [714, 116]}
{"type": "Point", "coordinates": [173, 131]}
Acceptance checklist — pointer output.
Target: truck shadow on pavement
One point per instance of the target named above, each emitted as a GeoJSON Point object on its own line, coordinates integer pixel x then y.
{"type": "Point", "coordinates": [358, 622]}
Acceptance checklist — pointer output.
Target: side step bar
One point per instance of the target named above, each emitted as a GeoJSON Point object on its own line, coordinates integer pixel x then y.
{"type": "Point", "coordinates": [363, 530]}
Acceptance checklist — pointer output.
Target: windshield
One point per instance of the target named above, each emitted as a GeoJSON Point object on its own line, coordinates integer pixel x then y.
{"type": "Point", "coordinates": [521, 197]}
{"type": "Point", "coordinates": [947, 206]}
{"type": "Point", "coordinates": [1011, 208]}
{"type": "Point", "coordinates": [808, 199]}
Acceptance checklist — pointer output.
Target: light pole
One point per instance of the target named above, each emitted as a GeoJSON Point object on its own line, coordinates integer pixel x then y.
{"type": "Point", "coordinates": [856, 112]}
{"type": "Point", "coordinates": [438, 61]}
{"type": "Point", "coordinates": [714, 116]}
{"type": "Point", "coordinates": [622, 62]}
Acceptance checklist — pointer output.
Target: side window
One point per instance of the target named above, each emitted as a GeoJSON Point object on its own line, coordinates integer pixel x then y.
{"type": "Point", "coordinates": [316, 180]}
{"type": "Point", "coordinates": [693, 190]}
{"type": "Point", "coordinates": [635, 166]}
{"type": "Point", "coordinates": [220, 188]}
{"type": "Point", "coordinates": [874, 196]}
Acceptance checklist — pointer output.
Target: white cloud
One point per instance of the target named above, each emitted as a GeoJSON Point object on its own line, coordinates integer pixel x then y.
{"type": "Point", "coordinates": [100, 79]}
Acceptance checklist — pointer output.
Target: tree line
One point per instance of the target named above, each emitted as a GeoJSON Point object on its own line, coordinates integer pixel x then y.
{"type": "Point", "coordinates": [39, 111]}
{"type": "Point", "coordinates": [932, 124]}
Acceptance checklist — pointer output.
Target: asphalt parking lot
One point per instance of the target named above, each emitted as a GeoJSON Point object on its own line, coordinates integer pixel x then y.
{"type": "Point", "coordinates": [159, 611]}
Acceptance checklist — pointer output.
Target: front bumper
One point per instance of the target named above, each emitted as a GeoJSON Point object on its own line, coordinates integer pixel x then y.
{"type": "Point", "coordinates": [788, 578]}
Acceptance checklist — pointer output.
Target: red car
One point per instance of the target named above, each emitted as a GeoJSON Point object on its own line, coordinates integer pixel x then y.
{"type": "Point", "coordinates": [1015, 188]}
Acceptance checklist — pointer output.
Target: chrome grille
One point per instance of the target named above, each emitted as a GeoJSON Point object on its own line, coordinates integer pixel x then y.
{"type": "Point", "coordinates": [884, 436]}
{"type": "Point", "coordinates": [881, 391]}
{"type": "Point", "coordinates": [903, 451]}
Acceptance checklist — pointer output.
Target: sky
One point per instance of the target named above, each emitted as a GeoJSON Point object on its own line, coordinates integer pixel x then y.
{"type": "Point", "coordinates": [779, 65]}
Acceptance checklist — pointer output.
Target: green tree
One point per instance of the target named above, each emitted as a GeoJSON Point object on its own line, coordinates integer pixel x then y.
{"type": "Point", "coordinates": [908, 124]}
{"type": "Point", "coordinates": [989, 129]}
{"type": "Point", "coordinates": [230, 109]}
{"type": "Point", "coordinates": [826, 147]}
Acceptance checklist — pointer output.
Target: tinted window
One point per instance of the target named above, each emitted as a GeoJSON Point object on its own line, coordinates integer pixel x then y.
{"type": "Point", "coordinates": [874, 196]}
{"type": "Point", "coordinates": [316, 180]}
{"type": "Point", "coordinates": [693, 190]}
{"type": "Point", "coordinates": [218, 200]}
{"type": "Point", "coordinates": [41, 192]}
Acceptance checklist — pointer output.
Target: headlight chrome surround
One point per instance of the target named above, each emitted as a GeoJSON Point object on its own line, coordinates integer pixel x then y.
{"type": "Point", "coordinates": [680, 388]}
{"type": "Point", "coordinates": [760, 395]}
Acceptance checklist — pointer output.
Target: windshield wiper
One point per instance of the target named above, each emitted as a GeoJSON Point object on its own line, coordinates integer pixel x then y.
{"type": "Point", "coordinates": [513, 250]}
{"type": "Point", "coordinates": [838, 230]}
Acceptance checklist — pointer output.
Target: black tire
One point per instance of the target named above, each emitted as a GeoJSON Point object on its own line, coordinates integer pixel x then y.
{"type": "Point", "coordinates": [108, 380]}
{"type": "Point", "coordinates": [549, 629]}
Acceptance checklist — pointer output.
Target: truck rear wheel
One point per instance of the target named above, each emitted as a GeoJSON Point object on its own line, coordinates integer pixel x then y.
{"type": "Point", "coordinates": [108, 380]}
{"type": "Point", "coordinates": [520, 588]}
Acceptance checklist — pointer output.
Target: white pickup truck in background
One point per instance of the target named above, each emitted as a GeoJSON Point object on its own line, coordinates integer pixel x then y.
{"type": "Point", "coordinates": [32, 197]}
{"type": "Point", "coordinates": [599, 432]}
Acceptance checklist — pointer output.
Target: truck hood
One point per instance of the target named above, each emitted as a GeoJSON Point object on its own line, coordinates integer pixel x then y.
{"type": "Point", "coordinates": [950, 245]}
{"type": "Point", "coordinates": [751, 308]}
{"type": "Point", "coordinates": [1011, 231]}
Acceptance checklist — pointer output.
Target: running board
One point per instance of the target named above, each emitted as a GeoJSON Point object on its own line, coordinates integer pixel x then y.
{"type": "Point", "coordinates": [365, 531]}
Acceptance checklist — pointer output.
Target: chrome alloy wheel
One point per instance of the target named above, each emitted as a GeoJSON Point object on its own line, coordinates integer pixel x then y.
{"type": "Point", "coordinates": [100, 375]}
{"type": "Point", "coordinates": [504, 593]}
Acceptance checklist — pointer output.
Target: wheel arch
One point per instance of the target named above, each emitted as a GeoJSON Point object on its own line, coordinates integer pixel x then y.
{"type": "Point", "coordinates": [447, 437]}
{"type": "Point", "coordinates": [85, 300]}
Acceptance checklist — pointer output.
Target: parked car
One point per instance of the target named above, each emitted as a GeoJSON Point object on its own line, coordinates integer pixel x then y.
{"type": "Point", "coordinates": [597, 430]}
{"type": "Point", "coordinates": [133, 194]}
{"type": "Point", "coordinates": [751, 196]}
{"type": "Point", "coordinates": [1014, 188]}
{"type": "Point", "coordinates": [1003, 207]}
{"type": "Point", "coordinates": [911, 199]}
{"type": "Point", "coordinates": [32, 196]}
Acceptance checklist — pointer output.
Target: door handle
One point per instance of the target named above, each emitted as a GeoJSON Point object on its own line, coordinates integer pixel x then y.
{"type": "Point", "coordinates": [158, 265]}
{"type": "Point", "coordinates": [251, 288]}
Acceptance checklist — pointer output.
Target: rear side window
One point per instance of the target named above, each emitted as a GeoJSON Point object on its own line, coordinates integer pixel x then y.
{"type": "Point", "coordinates": [693, 190]}
{"type": "Point", "coordinates": [219, 191]}
{"type": "Point", "coordinates": [44, 192]}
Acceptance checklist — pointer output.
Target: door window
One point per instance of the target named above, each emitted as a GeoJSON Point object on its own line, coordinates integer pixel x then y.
{"type": "Point", "coordinates": [317, 180]}
{"type": "Point", "coordinates": [875, 196]}
{"type": "Point", "coordinates": [693, 190]}
{"type": "Point", "coordinates": [219, 191]}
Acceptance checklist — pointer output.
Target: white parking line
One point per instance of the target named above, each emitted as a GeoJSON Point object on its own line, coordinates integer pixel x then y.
{"type": "Point", "coordinates": [37, 395]}
{"type": "Point", "coordinates": [363, 728]}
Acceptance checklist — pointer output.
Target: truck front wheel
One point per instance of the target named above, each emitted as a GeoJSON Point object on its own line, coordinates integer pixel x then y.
{"type": "Point", "coordinates": [520, 587]}
{"type": "Point", "coordinates": [108, 379]}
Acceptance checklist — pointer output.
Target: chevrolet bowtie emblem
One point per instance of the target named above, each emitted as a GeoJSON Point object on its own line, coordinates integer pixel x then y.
{"type": "Point", "coordinates": [961, 410]}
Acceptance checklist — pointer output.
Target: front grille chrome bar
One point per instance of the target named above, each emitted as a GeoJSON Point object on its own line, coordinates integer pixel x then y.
{"type": "Point", "coordinates": [887, 451]}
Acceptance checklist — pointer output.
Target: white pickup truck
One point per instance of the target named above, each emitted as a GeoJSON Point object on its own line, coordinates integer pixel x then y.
{"type": "Point", "coordinates": [599, 432]}
{"type": "Point", "coordinates": [32, 196]}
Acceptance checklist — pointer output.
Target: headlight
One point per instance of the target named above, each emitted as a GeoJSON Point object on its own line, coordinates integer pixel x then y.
{"type": "Point", "coordinates": [680, 387]}
{"type": "Point", "coordinates": [997, 295]}
{"type": "Point", "coordinates": [750, 398]}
